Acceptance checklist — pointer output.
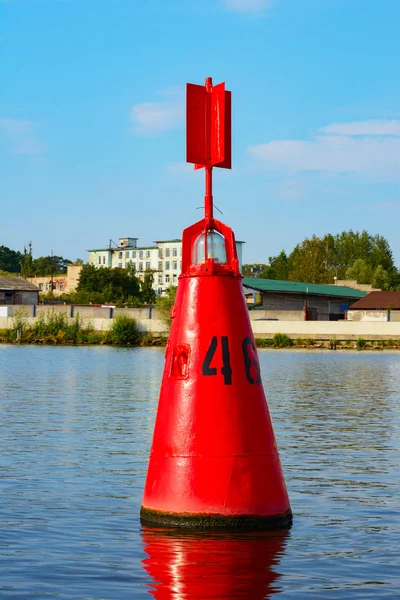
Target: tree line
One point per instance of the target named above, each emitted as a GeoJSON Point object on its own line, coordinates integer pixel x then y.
{"type": "Point", "coordinates": [23, 263]}
{"type": "Point", "coordinates": [105, 285]}
{"type": "Point", "coordinates": [353, 255]}
{"type": "Point", "coordinates": [102, 285]}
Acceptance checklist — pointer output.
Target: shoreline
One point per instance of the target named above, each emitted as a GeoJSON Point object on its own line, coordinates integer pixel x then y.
{"type": "Point", "coordinates": [146, 340]}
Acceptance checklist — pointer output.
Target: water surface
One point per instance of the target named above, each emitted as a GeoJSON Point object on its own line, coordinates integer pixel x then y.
{"type": "Point", "coordinates": [76, 426]}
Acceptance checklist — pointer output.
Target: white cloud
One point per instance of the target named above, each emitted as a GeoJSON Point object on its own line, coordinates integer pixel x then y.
{"type": "Point", "coordinates": [373, 127]}
{"type": "Point", "coordinates": [373, 155]}
{"type": "Point", "coordinates": [21, 135]}
{"type": "Point", "coordinates": [246, 6]}
{"type": "Point", "coordinates": [153, 117]}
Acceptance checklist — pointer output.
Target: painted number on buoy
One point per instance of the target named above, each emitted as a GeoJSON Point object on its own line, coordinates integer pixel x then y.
{"type": "Point", "coordinates": [251, 364]}
{"type": "Point", "coordinates": [226, 369]}
{"type": "Point", "coordinates": [250, 360]}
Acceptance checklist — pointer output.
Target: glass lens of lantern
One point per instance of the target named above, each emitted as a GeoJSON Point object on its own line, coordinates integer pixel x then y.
{"type": "Point", "coordinates": [215, 248]}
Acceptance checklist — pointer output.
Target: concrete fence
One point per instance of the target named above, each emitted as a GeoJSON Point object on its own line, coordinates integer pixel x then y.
{"type": "Point", "coordinates": [148, 320]}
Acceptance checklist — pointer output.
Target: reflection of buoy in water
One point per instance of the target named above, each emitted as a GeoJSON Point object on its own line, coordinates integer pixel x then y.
{"type": "Point", "coordinates": [188, 566]}
{"type": "Point", "coordinates": [214, 460]}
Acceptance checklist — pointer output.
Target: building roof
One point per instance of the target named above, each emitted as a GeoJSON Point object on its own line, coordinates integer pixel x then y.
{"type": "Point", "coordinates": [298, 287]}
{"type": "Point", "coordinates": [122, 248]}
{"type": "Point", "coordinates": [378, 300]}
{"type": "Point", "coordinates": [16, 283]}
{"type": "Point", "coordinates": [167, 241]}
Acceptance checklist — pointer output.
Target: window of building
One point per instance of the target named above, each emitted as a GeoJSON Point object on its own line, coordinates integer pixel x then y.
{"type": "Point", "coordinates": [104, 260]}
{"type": "Point", "coordinates": [119, 254]}
{"type": "Point", "coordinates": [174, 251]}
{"type": "Point", "coordinates": [167, 279]}
{"type": "Point", "coordinates": [120, 265]}
{"type": "Point", "coordinates": [160, 265]}
{"type": "Point", "coordinates": [140, 266]}
{"type": "Point", "coordinates": [167, 265]}
{"type": "Point", "coordinates": [160, 253]}
{"type": "Point", "coordinates": [40, 286]}
{"type": "Point", "coordinates": [159, 291]}
{"type": "Point", "coordinates": [175, 265]}
{"type": "Point", "coordinates": [147, 253]}
{"type": "Point", "coordinates": [174, 278]}
{"type": "Point", "coordinates": [167, 251]}
{"type": "Point", "coordinates": [147, 265]}
{"type": "Point", "coordinates": [47, 286]}
{"type": "Point", "coordinates": [141, 254]}
{"type": "Point", "coordinates": [99, 260]}
{"type": "Point", "coordinates": [160, 279]}
{"type": "Point", "coordinates": [61, 286]}
{"type": "Point", "coordinates": [127, 254]}
{"type": "Point", "coordinates": [133, 253]}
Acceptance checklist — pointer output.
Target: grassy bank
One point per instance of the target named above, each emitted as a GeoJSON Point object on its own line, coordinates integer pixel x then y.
{"type": "Point", "coordinates": [56, 329]}
{"type": "Point", "coordinates": [280, 340]}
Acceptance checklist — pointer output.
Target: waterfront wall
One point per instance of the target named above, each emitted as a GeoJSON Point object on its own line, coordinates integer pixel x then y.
{"type": "Point", "coordinates": [374, 315]}
{"type": "Point", "coordinates": [148, 320]}
{"type": "Point", "coordinates": [327, 330]}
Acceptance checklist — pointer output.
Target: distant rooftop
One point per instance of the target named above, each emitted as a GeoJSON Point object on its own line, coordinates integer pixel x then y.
{"type": "Point", "coordinates": [298, 287]}
{"type": "Point", "coordinates": [378, 301]}
{"type": "Point", "coordinates": [17, 283]}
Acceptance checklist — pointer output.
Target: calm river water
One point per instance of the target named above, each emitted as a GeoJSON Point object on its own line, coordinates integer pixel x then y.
{"type": "Point", "coordinates": [76, 426]}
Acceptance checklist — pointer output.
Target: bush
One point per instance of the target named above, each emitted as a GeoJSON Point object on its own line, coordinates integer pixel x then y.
{"type": "Point", "coordinates": [264, 343]}
{"type": "Point", "coordinates": [281, 340]}
{"type": "Point", "coordinates": [124, 331]}
{"type": "Point", "coordinates": [19, 323]}
{"type": "Point", "coordinates": [95, 338]}
{"type": "Point", "coordinates": [165, 303]}
{"type": "Point", "coordinates": [361, 343]}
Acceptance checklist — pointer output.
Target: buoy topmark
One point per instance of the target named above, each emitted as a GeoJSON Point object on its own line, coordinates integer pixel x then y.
{"type": "Point", "coordinates": [214, 460]}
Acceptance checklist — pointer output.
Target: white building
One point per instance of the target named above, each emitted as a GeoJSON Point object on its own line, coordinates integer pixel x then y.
{"type": "Point", "coordinates": [165, 259]}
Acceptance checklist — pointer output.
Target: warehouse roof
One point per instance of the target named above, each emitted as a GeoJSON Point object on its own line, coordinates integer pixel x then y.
{"type": "Point", "coordinates": [298, 287]}
{"type": "Point", "coordinates": [378, 300]}
{"type": "Point", "coordinates": [16, 283]}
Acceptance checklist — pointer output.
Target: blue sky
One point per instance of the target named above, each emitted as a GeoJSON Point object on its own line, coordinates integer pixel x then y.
{"type": "Point", "coordinates": [92, 138]}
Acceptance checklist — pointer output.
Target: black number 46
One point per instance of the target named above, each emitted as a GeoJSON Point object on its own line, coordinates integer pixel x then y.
{"type": "Point", "coordinates": [249, 358]}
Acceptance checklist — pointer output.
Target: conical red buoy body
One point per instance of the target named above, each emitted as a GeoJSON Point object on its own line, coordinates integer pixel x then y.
{"type": "Point", "coordinates": [214, 460]}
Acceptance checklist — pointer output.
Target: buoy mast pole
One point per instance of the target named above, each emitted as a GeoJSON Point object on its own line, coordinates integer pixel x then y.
{"type": "Point", "coordinates": [208, 198]}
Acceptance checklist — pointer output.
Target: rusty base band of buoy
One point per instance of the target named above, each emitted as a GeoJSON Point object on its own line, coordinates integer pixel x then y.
{"type": "Point", "coordinates": [215, 521]}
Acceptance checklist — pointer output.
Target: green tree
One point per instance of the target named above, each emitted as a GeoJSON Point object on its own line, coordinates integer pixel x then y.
{"type": "Point", "coordinates": [10, 260]}
{"type": "Point", "coordinates": [308, 262]}
{"type": "Point", "coordinates": [147, 292]}
{"type": "Point", "coordinates": [165, 303]}
{"type": "Point", "coordinates": [360, 271]}
{"type": "Point", "coordinates": [50, 265]}
{"type": "Point", "coordinates": [104, 284]}
{"type": "Point", "coordinates": [253, 270]}
{"type": "Point", "coordinates": [373, 249]}
{"type": "Point", "coordinates": [380, 278]}
{"type": "Point", "coordinates": [278, 267]}
{"type": "Point", "coordinates": [27, 269]}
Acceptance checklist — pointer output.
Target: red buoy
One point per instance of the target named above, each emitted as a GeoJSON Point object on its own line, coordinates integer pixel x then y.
{"type": "Point", "coordinates": [214, 460]}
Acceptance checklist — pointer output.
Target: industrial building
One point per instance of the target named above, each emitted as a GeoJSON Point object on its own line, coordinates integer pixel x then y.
{"type": "Point", "coordinates": [164, 258]}
{"type": "Point", "coordinates": [297, 301]}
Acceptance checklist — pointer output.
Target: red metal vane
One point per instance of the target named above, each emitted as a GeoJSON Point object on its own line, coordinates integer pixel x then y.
{"type": "Point", "coordinates": [208, 132]}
